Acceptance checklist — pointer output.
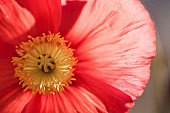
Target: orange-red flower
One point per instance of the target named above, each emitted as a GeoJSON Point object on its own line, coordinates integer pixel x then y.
{"type": "Point", "coordinates": [105, 68]}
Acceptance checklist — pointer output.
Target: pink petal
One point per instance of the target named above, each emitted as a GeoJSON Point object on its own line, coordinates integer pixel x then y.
{"type": "Point", "coordinates": [47, 14]}
{"type": "Point", "coordinates": [14, 20]}
{"type": "Point", "coordinates": [92, 16]}
{"type": "Point", "coordinates": [115, 41]}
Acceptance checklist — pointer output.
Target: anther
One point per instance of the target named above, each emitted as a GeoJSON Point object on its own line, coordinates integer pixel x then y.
{"type": "Point", "coordinates": [39, 67]}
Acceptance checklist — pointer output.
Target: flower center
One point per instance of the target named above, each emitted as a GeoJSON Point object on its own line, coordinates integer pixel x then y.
{"type": "Point", "coordinates": [45, 64]}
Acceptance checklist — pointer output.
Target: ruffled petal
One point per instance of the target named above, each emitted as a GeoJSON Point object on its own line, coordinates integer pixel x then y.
{"type": "Point", "coordinates": [47, 14]}
{"type": "Point", "coordinates": [94, 14]}
{"type": "Point", "coordinates": [73, 100]}
{"type": "Point", "coordinates": [11, 95]}
{"type": "Point", "coordinates": [8, 94]}
{"type": "Point", "coordinates": [17, 104]}
{"type": "Point", "coordinates": [67, 12]}
{"type": "Point", "coordinates": [9, 87]}
{"type": "Point", "coordinates": [14, 20]}
{"type": "Point", "coordinates": [87, 95]}
{"type": "Point", "coordinates": [41, 104]}
{"type": "Point", "coordinates": [114, 100]}
{"type": "Point", "coordinates": [79, 100]}
{"type": "Point", "coordinates": [115, 41]}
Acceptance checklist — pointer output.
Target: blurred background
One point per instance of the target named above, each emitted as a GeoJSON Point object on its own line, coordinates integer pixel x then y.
{"type": "Point", "coordinates": [156, 98]}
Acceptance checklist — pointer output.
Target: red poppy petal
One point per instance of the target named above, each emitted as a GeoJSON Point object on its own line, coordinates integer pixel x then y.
{"type": "Point", "coordinates": [41, 104]}
{"type": "Point", "coordinates": [47, 14]}
{"type": "Point", "coordinates": [14, 20]}
{"type": "Point", "coordinates": [12, 98]}
{"type": "Point", "coordinates": [6, 67]}
{"type": "Point", "coordinates": [64, 2]}
{"type": "Point", "coordinates": [72, 11]}
{"type": "Point", "coordinates": [114, 100]}
{"type": "Point", "coordinates": [6, 74]}
{"type": "Point", "coordinates": [87, 96]}
{"type": "Point", "coordinates": [8, 94]}
{"type": "Point", "coordinates": [116, 43]}
{"type": "Point", "coordinates": [4, 47]}
{"type": "Point", "coordinates": [81, 101]}
{"type": "Point", "coordinates": [17, 105]}
{"type": "Point", "coordinates": [94, 14]}
{"type": "Point", "coordinates": [53, 103]}
{"type": "Point", "coordinates": [8, 85]}
{"type": "Point", "coordinates": [70, 101]}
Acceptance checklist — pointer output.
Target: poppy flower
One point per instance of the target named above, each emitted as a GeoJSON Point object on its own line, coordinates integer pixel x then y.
{"type": "Point", "coordinates": [100, 66]}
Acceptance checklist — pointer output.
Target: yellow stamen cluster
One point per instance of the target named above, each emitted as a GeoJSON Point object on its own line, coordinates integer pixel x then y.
{"type": "Point", "coordinates": [45, 64]}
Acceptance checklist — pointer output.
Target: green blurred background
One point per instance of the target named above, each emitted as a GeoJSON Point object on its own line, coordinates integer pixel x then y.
{"type": "Point", "coordinates": [156, 98]}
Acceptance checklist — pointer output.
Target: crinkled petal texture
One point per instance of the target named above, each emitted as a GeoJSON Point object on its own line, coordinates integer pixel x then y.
{"type": "Point", "coordinates": [115, 41]}
{"type": "Point", "coordinates": [14, 20]}
{"type": "Point", "coordinates": [87, 95]}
